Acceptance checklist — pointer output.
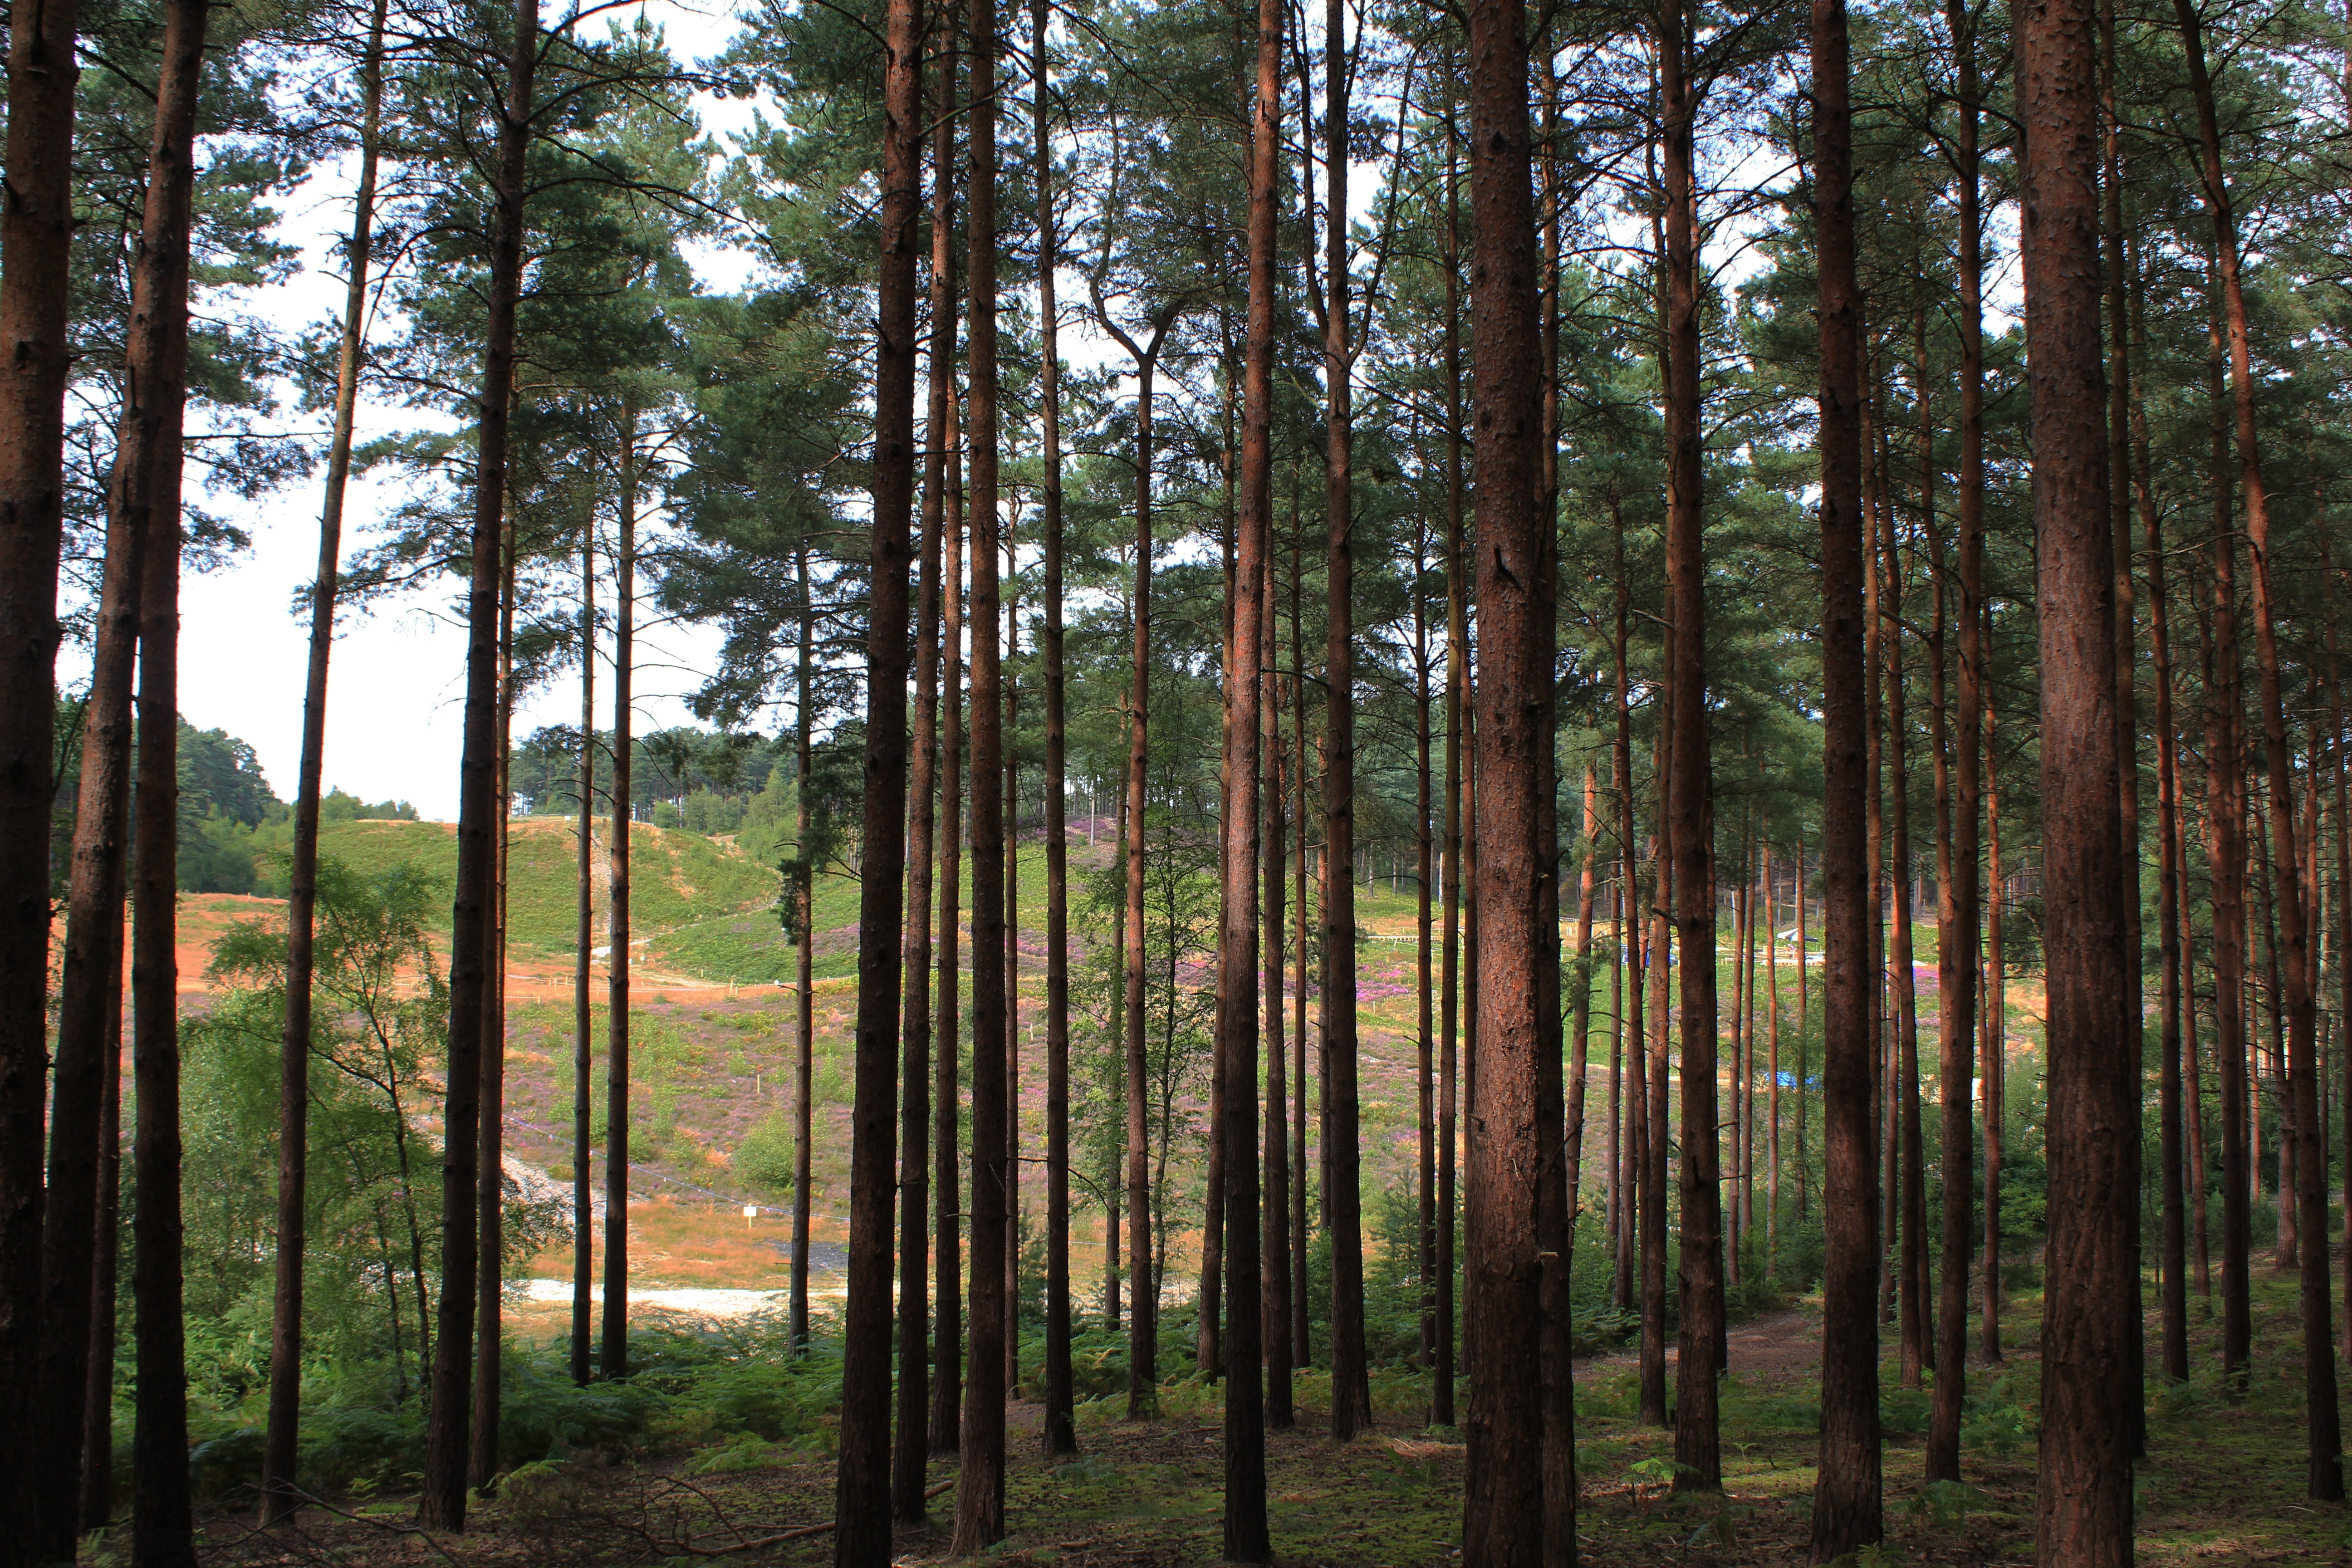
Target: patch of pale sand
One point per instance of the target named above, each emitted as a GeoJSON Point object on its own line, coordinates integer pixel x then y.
{"type": "Point", "coordinates": [722, 1304]}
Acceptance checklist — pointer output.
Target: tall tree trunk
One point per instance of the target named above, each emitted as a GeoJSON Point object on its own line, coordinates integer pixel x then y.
{"type": "Point", "coordinates": [2084, 1509]}
{"type": "Point", "coordinates": [803, 895]}
{"type": "Point", "coordinates": [1424, 969]}
{"type": "Point", "coordinates": [1555, 1211]}
{"type": "Point", "coordinates": [1658, 950]}
{"type": "Point", "coordinates": [947, 1264]}
{"type": "Point", "coordinates": [489, 1190]}
{"type": "Point", "coordinates": [1957, 940]}
{"type": "Point", "coordinates": [2343, 897]}
{"type": "Point", "coordinates": [1886, 1097]}
{"type": "Point", "coordinates": [1143, 1307]}
{"type": "Point", "coordinates": [1301, 1338]}
{"type": "Point", "coordinates": [2226, 862]}
{"type": "Point", "coordinates": [1995, 1029]}
{"type": "Point", "coordinates": [447, 1430]}
{"type": "Point", "coordinates": [302, 869]}
{"type": "Point", "coordinates": [1275, 1261]}
{"type": "Point", "coordinates": [1457, 698]}
{"type": "Point", "coordinates": [613, 1348]}
{"type": "Point", "coordinates": [147, 479]}
{"type": "Point", "coordinates": [1247, 1538]}
{"type": "Point", "coordinates": [37, 225]}
{"type": "Point", "coordinates": [1061, 1428]}
{"type": "Point", "coordinates": [2119, 455]}
{"type": "Point", "coordinates": [2344, 912]}
{"type": "Point", "coordinates": [861, 1503]}
{"type": "Point", "coordinates": [1504, 1523]}
{"type": "Point", "coordinates": [979, 1490]}
{"type": "Point", "coordinates": [96, 1495]}
{"type": "Point", "coordinates": [1580, 1005]}
{"type": "Point", "coordinates": [1955, 978]}
{"type": "Point", "coordinates": [1012, 960]}
{"type": "Point", "coordinates": [2175, 1255]}
{"type": "Point", "coordinates": [1772, 1074]}
{"type": "Point", "coordinates": [584, 1039]}
{"type": "Point", "coordinates": [1633, 1183]}
{"type": "Point", "coordinates": [2325, 1469]}
{"type": "Point", "coordinates": [909, 1447]}
{"type": "Point", "coordinates": [1698, 1459]}
{"type": "Point", "coordinates": [1846, 1496]}
{"type": "Point", "coordinates": [1352, 1399]}
{"type": "Point", "coordinates": [1916, 1329]}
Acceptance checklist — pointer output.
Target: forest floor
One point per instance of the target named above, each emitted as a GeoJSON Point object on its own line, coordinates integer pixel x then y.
{"type": "Point", "coordinates": [2222, 1484]}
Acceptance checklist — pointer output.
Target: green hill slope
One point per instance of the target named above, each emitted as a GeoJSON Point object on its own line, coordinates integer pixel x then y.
{"type": "Point", "coordinates": [675, 879]}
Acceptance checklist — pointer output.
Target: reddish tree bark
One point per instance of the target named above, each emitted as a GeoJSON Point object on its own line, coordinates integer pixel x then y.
{"type": "Point", "coordinates": [2325, 1468]}
{"type": "Point", "coordinates": [1274, 1260]}
{"type": "Point", "coordinates": [1352, 1399]}
{"type": "Point", "coordinates": [1504, 1524]}
{"type": "Point", "coordinates": [2084, 1506]}
{"type": "Point", "coordinates": [612, 1336]}
{"type": "Point", "coordinates": [909, 1447]}
{"type": "Point", "coordinates": [147, 479]}
{"type": "Point", "coordinates": [1699, 1457]}
{"type": "Point", "coordinates": [1143, 1309]}
{"type": "Point", "coordinates": [1904, 1100]}
{"type": "Point", "coordinates": [37, 225]}
{"type": "Point", "coordinates": [862, 1503]}
{"type": "Point", "coordinates": [2169, 925]}
{"type": "Point", "coordinates": [1457, 698]}
{"type": "Point", "coordinates": [1061, 1429]}
{"type": "Point", "coordinates": [979, 1490]}
{"type": "Point", "coordinates": [1959, 950]}
{"type": "Point", "coordinates": [946, 1266]}
{"type": "Point", "coordinates": [801, 889]}
{"type": "Point", "coordinates": [584, 1233]}
{"type": "Point", "coordinates": [1846, 1497]}
{"type": "Point", "coordinates": [1247, 1538]}
{"type": "Point", "coordinates": [489, 1159]}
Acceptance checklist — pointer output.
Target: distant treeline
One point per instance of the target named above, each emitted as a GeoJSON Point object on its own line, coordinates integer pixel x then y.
{"type": "Point", "coordinates": [233, 830]}
{"type": "Point", "coordinates": [701, 779]}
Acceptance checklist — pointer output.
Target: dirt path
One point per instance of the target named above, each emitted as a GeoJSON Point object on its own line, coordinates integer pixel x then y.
{"type": "Point", "coordinates": [1779, 1344]}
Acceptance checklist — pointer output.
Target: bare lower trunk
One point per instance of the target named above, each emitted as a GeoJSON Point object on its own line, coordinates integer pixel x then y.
{"type": "Point", "coordinates": [1699, 1457]}
{"type": "Point", "coordinates": [1457, 698]}
{"type": "Point", "coordinates": [147, 480]}
{"type": "Point", "coordinates": [1350, 1389]}
{"type": "Point", "coordinates": [946, 1266]}
{"type": "Point", "coordinates": [613, 1348]}
{"type": "Point", "coordinates": [302, 869]}
{"type": "Point", "coordinates": [490, 1178]}
{"type": "Point", "coordinates": [979, 1490]}
{"type": "Point", "coordinates": [802, 892]}
{"type": "Point", "coordinates": [1504, 1524]}
{"type": "Point", "coordinates": [584, 1039]}
{"type": "Point", "coordinates": [2323, 1470]}
{"type": "Point", "coordinates": [2085, 1507]}
{"type": "Point", "coordinates": [1061, 1429]}
{"type": "Point", "coordinates": [1846, 1496]}
{"type": "Point", "coordinates": [909, 1447]}
{"type": "Point", "coordinates": [861, 1503]}
{"type": "Point", "coordinates": [42, 1443]}
{"type": "Point", "coordinates": [447, 1431]}
{"type": "Point", "coordinates": [1247, 1538]}
{"type": "Point", "coordinates": [96, 1495]}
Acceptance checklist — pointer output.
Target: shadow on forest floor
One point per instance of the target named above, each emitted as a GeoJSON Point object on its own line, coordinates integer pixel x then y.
{"type": "Point", "coordinates": [2223, 1482]}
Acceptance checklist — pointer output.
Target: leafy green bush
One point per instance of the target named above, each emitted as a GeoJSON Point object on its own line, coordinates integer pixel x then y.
{"type": "Point", "coordinates": [766, 1158]}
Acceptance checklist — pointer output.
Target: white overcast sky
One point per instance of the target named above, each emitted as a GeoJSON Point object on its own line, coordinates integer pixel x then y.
{"type": "Point", "coordinates": [395, 719]}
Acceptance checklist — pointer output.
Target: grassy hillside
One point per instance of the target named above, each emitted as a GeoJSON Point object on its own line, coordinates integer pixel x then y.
{"type": "Point", "coordinates": [675, 878]}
